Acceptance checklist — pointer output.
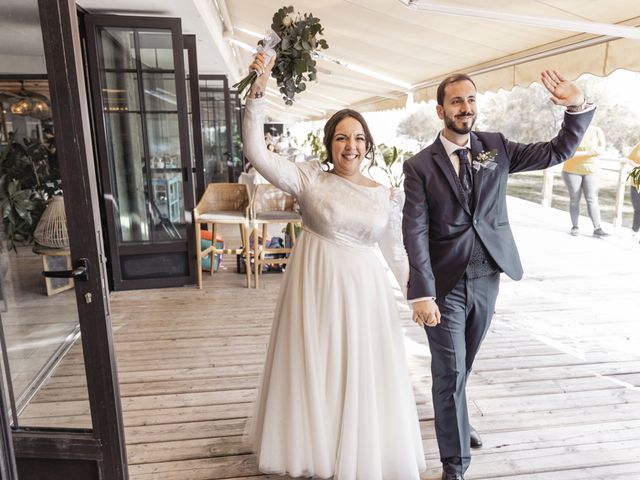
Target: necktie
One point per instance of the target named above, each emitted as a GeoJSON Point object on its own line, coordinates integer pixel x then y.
{"type": "Point", "coordinates": [466, 179]}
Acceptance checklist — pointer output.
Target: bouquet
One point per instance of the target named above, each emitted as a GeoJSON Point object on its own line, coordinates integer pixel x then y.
{"type": "Point", "coordinates": [294, 39]}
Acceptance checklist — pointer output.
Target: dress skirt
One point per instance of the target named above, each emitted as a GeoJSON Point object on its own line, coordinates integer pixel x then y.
{"type": "Point", "coordinates": [335, 399]}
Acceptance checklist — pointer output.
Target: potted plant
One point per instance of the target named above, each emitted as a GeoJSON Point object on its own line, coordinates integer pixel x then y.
{"type": "Point", "coordinates": [314, 142]}
{"type": "Point", "coordinates": [389, 160]}
{"type": "Point", "coordinates": [26, 184]}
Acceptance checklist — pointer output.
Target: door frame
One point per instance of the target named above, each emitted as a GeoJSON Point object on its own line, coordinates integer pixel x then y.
{"type": "Point", "coordinates": [7, 456]}
{"type": "Point", "coordinates": [93, 21]}
{"type": "Point", "coordinates": [190, 46]}
{"type": "Point", "coordinates": [104, 444]}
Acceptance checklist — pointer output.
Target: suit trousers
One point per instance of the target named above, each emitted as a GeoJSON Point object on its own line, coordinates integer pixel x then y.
{"type": "Point", "coordinates": [635, 201]}
{"type": "Point", "coordinates": [466, 314]}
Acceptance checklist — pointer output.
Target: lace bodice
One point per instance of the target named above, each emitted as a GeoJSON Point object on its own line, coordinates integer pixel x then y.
{"type": "Point", "coordinates": [331, 206]}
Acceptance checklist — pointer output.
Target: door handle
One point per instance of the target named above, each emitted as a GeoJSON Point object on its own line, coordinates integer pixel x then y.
{"type": "Point", "coordinates": [81, 272]}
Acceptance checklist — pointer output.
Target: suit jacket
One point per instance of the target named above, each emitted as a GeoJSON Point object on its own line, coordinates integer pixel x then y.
{"type": "Point", "coordinates": [438, 226]}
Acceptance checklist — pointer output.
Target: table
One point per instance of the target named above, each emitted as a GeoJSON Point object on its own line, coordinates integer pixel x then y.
{"type": "Point", "coordinates": [54, 260]}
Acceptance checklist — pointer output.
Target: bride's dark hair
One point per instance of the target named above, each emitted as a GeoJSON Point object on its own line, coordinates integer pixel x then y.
{"type": "Point", "coordinates": [330, 130]}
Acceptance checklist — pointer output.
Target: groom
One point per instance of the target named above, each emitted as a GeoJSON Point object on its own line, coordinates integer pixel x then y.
{"type": "Point", "coordinates": [457, 235]}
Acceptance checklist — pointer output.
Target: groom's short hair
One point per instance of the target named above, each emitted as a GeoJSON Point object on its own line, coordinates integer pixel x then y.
{"type": "Point", "coordinates": [455, 78]}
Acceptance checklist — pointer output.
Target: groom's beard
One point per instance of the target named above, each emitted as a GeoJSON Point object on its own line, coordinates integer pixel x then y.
{"type": "Point", "coordinates": [450, 123]}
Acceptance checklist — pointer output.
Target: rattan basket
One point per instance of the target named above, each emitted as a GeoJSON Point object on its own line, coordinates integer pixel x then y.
{"type": "Point", "coordinates": [51, 230]}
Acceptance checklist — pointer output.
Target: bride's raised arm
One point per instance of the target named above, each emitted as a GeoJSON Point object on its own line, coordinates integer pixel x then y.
{"type": "Point", "coordinates": [278, 170]}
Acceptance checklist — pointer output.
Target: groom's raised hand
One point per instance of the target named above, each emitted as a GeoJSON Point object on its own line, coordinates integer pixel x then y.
{"type": "Point", "coordinates": [563, 92]}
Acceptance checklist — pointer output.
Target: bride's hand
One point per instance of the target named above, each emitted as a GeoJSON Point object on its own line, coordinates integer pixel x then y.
{"type": "Point", "coordinates": [263, 70]}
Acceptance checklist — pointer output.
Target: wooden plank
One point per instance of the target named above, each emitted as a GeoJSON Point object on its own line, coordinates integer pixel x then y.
{"type": "Point", "coordinates": [185, 431]}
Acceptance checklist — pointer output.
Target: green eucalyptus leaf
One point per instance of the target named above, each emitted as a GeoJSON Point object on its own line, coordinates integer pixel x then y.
{"type": "Point", "coordinates": [299, 42]}
{"type": "Point", "coordinates": [300, 66]}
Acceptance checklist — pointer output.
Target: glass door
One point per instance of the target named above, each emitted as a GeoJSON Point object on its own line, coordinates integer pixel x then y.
{"type": "Point", "coordinates": [61, 399]}
{"type": "Point", "coordinates": [136, 67]}
{"type": "Point", "coordinates": [220, 163]}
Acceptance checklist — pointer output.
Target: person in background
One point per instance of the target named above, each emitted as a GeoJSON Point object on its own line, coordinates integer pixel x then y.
{"type": "Point", "coordinates": [634, 161]}
{"type": "Point", "coordinates": [580, 174]}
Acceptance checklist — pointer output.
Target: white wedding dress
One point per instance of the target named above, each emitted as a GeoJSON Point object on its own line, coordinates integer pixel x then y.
{"type": "Point", "coordinates": [336, 399]}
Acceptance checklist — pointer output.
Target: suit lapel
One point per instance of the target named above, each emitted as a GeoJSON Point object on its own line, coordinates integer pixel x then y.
{"type": "Point", "coordinates": [478, 175]}
{"type": "Point", "coordinates": [442, 160]}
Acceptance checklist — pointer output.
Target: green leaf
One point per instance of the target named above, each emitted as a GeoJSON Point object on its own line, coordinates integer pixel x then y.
{"type": "Point", "coordinates": [12, 188]}
{"type": "Point", "coordinates": [5, 208]}
{"type": "Point", "coordinates": [301, 66]}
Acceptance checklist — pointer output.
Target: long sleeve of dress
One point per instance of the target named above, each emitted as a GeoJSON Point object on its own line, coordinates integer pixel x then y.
{"type": "Point", "coordinates": [391, 243]}
{"type": "Point", "coordinates": [278, 170]}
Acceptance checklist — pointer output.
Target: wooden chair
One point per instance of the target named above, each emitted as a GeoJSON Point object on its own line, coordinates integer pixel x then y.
{"type": "Point", "coordinates": [271, 205]}
{"type": "Point", "coordinates": [223, 203]}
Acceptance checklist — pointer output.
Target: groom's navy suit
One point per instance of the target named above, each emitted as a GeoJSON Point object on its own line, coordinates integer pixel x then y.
{"type": "Point", "coordinates": [441, 229]}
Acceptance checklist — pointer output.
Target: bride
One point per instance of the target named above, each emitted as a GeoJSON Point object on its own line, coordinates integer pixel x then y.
{"type": "Point", "coordinates": [336, 400]}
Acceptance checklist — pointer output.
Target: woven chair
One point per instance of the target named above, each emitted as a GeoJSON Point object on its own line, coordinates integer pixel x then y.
{"type": "Point", "coordinates": [271, 205]}
{"type": "Point", "coordinates": [223, 203]}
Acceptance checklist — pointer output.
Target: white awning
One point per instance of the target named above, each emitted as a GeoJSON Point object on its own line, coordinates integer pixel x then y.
{"type": "Point", "coordinates": [380, 51]}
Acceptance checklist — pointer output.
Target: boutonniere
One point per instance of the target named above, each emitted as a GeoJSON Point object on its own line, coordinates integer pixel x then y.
{"type": "Point", "coordinates": [486, 160]}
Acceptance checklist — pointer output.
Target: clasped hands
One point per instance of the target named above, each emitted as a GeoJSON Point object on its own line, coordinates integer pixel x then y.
{"type": "Point", "coordinates": [426, 313]}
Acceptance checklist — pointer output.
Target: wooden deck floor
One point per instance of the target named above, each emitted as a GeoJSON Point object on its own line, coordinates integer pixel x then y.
{"type": "Point", "coordinates": [555, 393]}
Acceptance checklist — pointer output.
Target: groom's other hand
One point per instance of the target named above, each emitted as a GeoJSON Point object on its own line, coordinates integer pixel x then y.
{"type": "Point", "coordinates": [563, 92]}
{"type": "Point", "coordinates": [426, 313]}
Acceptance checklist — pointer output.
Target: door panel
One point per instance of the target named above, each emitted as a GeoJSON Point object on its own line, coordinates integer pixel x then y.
{"type": "Point", "coordinates": [43, 362]}
{"type": "Point", "coordinates": [39, 319]}
{"type": "Point", "coordinates": [215, 108]}
{"type": "Point", "coordinates": [138, 86]}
